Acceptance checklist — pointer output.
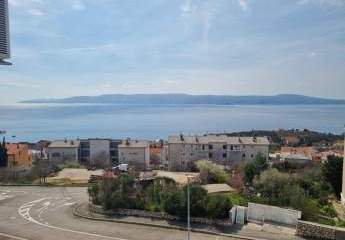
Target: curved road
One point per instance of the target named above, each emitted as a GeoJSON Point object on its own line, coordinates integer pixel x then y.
{"type": "Point", "coordinates": [34, 213]}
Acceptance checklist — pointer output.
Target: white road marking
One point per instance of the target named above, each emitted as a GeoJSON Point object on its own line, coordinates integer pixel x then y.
{"type": "Point", "coordinates": [24, 211]}
{"type": "Point", "coordinates": [12, 236]}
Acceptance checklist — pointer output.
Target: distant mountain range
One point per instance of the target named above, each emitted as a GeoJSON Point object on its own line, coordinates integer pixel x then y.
{"type": "Point", "coordinates": [164, 99]}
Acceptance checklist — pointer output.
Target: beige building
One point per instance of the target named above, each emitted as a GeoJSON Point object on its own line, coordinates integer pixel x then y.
{"type": "Point", "coordinates": [18, 156]}
{"type": "Point", "coordinates": [63, 150]}
{"type": "Point", "coordinates": [136, 153]}
{"type": "Point", "coordinates": [222, 149]}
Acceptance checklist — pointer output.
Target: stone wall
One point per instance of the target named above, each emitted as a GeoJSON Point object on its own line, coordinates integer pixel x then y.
{"type": "Point", "coordinates": [155, 215]}
{"type": "Point", "coordinates": [319, 231]}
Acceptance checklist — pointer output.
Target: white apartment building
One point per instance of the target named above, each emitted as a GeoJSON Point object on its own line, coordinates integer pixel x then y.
{"type": "Point", "coordinates": [63, 150]}
{"type": "Point", "coordinates": [222, 149]}
{"type": "Point", "coordinates": [136, 153]}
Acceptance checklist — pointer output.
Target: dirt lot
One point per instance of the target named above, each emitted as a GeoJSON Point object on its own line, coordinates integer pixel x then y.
{"type": "Point", "coordinates": [73, 176]}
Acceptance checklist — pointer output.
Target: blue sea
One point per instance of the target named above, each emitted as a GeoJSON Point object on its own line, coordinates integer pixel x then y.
{"type": "Point", "coordinates": [32, 122]}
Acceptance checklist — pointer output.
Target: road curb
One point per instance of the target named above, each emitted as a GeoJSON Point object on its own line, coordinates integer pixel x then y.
{"type": "Point", "coordinates": [77, 213]}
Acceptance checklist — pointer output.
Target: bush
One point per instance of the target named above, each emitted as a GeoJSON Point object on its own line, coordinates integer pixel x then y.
{"type": "Point", "coordinates": [160, 195]}
{"type": "Point", "coordinates": [211, 172]}
{"type": "Point", "coordinates": [237, 199]}
{"type": "Point", "coordinates": [332, 171]}
{"type": "Point", "coordinates": [218, 206]}
{"type": "Point", "coordinates": [254, 168]}
{"type": "Point", "coordinates": [72, 164]}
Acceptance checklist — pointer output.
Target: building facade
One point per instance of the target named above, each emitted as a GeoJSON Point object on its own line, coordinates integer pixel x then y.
{"type": "Point", "coordinates": [99, 152]}
{"type": "Point", "coordinates": [60, 151]}
{"type": "Point", "coordinates": [18, 156]}
{"type": "Point", "coordinates": [185, 150]}
{"type": "Point", "coordinates": [135, 153]}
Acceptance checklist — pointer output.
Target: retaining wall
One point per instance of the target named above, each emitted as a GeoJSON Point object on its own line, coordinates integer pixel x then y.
{"type": "Point", "coordinates": [319, 231]}
{"type": "Point", "coordinates": [155, 215]}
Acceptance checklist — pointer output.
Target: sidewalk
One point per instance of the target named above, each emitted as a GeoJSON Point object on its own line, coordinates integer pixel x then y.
{"type": "Point", "coordinates": [249, 231]}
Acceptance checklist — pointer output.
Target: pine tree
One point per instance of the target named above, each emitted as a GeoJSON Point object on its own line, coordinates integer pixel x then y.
{"type": "Point", "coordinates": [3, 154]}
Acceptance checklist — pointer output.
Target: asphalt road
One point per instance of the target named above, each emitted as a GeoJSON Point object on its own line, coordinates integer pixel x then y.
{"type": "Point", "coordinates": [35, 213]}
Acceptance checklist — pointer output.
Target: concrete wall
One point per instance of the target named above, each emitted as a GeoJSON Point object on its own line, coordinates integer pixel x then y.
{"type": "Point", "coordinates": [99, 151]}
{"type": "Point", "coordinates": [138, 157]}
{"type": "Point", "coordinates": [319, 231]}
{"type": "Point", "coordinates": [59, 155]}
{"type": "Point", "coordinates": [266, 213]}
{"type": "Point", "coordinates": [156, 215]}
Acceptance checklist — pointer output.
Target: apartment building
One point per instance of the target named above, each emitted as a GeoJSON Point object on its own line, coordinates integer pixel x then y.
{"type": "Point", "coordinates": [99, 152]}
{"type": "Point", "coordinates": [18, 156]}
{"type": "Point", "coordinates": [222, 149]}
{"type": "Point", "coordinates": [136, 153]}
{"type": "Point", "coordinates": [159, 155]}
{"type": "Point", "coordinates": [60, 151]}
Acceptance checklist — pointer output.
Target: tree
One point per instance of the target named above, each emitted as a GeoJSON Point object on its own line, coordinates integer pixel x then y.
{"type": "Point", "coordinates": [255, 168]}
{"type": "Point", "coordinates": [218, 206]}
{"type": "Point", "coordinates": [332, 170]}
{"type": "Point", "coordinates": [211, 172]}
{"type": "Point", "coordinates": [3, 154]}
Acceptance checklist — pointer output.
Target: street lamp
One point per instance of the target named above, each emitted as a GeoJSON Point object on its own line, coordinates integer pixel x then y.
{"type": "Point", "coordinates": [188, 205]}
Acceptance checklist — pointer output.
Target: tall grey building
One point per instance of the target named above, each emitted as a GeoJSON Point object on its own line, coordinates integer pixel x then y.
{"type": "Point", "coordinates": [4, 33]}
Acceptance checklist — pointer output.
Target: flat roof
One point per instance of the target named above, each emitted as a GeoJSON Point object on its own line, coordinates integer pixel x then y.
{"type": "Point", "coordinates": [207, 139]}
{"type": "Point", "coordinates": [134, 143]}
{"type": "Point", "coordinates": [64, 144]}
{"type": "Point", "coordinates": [218, 188]}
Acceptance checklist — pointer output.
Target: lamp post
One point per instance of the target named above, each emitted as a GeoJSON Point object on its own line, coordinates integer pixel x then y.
{"type": "Point", "coordinates": [188, 205]}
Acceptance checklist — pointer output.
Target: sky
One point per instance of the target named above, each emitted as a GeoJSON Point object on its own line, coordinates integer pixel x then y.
{"type": "Point", "coordinates": [234, 47]}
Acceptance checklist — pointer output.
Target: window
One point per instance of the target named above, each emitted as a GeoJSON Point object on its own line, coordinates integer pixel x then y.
{"type": "Point", "coordinates": [203, 147]}
{"type": "Point", "coordinates": [225, 146]}
{"type": "Point", "coordinates": [210, 146]}
{"type": "Point", "coordinates": [232, 147]}
{"type": "Point", "coordinates": [210, 155]}
{"type": "Point", "coordinates": [56, 154]}
{"type": "Point", "coordinates": [224, 155]}
{"type": "Point", "coordinates": [243, 155]}
{"type": "Point", "coordinates": [252, 155]}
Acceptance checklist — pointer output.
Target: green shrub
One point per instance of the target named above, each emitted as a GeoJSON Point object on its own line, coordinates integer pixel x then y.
{"type": "Point", "coordinates": [218, 206]}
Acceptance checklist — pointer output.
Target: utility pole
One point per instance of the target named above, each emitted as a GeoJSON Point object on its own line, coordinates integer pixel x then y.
{"type": "Point", "coordinates": [188, 205]}
{"type": "Point", "coordinates": [343, 182]}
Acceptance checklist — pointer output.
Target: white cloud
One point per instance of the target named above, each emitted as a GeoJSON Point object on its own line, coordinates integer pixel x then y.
{"type": "Point", "coordinates": [323, 2]}
{"type": "Point", "coordinates": [243, 4]}
{"type": "Point", "coordinates": [196, 14]}
{"type": "Point", "coordinates": [35, 12]}
{"type": "Point", "coordinates": [24, 3]}
{"type": "Point", "coordinates": [78, 5]}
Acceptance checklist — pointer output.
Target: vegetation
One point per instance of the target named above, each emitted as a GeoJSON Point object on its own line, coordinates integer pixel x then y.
{"type": "Point", "coordinates": [3, 154]}
{"type": "Point", "coordinates": [68, 164]}
{"type": "Point", "coordinates": [211, 172]}
{"type": "Point", "coordinates": [255, 168]}
{"type": "Point", "coordinates": [162, 195]}
{"type": "Point", "coordinates": [308, 192]}
{"type": "Point", "coordinates": [332, 171]}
